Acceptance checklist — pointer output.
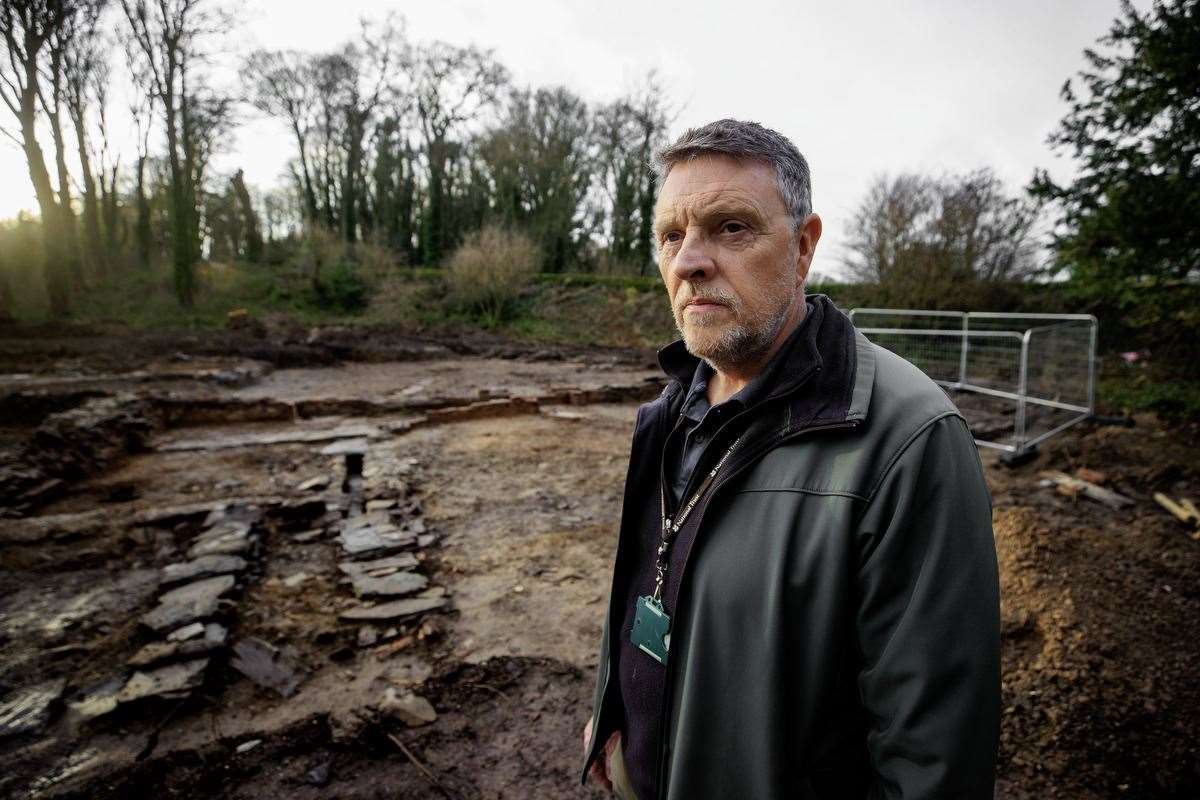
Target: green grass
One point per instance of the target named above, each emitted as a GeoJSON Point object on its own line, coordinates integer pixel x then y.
{"type": "Point", "coordinates": [1131, 390]}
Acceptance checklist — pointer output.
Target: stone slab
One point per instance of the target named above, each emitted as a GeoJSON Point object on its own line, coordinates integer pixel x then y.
{"type": "Point", "coordinates": [186, 632]}
{"type": "Point", "coordinates": [169, 680]}
{"type": "Point", "coordinates": [231, 543]}
{"type": "Point", "coordinates": [188, 603]}
{"type": "Point", "coordinates": [395, 585]}
{"type": "Point", "coordinates": [202, 567]}
{"type": "Point", "coordinates": [370, 541]}
{"type": "Point", "coordinates": [346, 447]}
{"type": "Point", "coordinates": [376, 567]}
{"type": "Point", "coordinates": [97, 700]}
{"type": "Point", "coordinates": [393, 610]}
{"type": "Point", "coordinates": [352, 432]}
{"type": "Point", "coordinates": [159, 652]}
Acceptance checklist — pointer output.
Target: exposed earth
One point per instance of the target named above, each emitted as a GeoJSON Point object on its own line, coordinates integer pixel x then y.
{"type": "Point", "coordinates": [397, 550]}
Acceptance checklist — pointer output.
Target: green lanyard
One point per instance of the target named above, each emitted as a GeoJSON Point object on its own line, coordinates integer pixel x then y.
{"type": "Point", "coordinates": [651, 624]}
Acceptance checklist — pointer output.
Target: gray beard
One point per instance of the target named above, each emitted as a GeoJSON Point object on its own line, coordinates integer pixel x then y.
{"type": "Point", "coordinates": [743, 343]}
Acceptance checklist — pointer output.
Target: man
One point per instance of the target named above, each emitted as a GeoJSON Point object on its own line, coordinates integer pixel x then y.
{"type": "Point", "coordinates": [805, 597]}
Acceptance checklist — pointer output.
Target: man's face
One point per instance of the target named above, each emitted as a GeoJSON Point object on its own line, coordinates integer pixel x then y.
{"type": "Point", "coordinates": [733, 266]}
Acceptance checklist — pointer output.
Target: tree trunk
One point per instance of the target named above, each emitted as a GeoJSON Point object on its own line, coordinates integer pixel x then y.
{"type": "Point", "coordinates": [70, 231]}
{"type": "Point", "coordinates": [181, 251]}
{"type": "Point", "coordinates": [55, 268]}
{"type": "Point", "coordinates": [95, 253]}
{"type": "Point", "coordinates": [310, 196]}
{"type": "Point", "coordinates": [435, 220]}
{"type": "Point", "coordinates": [143, 232]}
{"type": "Point", "coordinates": [253, 230]}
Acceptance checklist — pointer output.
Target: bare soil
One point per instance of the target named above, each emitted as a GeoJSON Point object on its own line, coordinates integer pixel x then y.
{"type": "Point", "coordinates": [1099, 607]}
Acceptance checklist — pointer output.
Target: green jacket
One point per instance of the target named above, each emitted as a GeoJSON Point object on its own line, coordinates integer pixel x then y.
{"type": "Point", "coordinates": [836, 630]}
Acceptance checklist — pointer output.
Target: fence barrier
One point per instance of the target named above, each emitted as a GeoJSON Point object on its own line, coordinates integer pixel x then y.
{"type": "Point", "coordinates": [1018, 378]}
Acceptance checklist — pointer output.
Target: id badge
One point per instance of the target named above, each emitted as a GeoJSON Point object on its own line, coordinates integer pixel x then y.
{"type": "Point", "coordinates": [651, 629]}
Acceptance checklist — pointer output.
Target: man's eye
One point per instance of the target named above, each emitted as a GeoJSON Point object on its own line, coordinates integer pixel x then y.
{"type": "Point", "coordinates": [672, 236]}
{"type": "Point", "coordinates": [733, 227]}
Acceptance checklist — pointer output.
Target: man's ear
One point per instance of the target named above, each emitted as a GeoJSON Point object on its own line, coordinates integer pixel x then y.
{"type": "Point", "coordinates": [806, 244]}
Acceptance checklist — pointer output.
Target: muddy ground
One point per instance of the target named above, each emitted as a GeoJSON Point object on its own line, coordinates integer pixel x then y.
{"type": "Point", "coordinates": [493, 472]}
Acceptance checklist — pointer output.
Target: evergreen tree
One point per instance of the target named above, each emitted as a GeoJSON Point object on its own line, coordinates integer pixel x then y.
{"type": "Point", "coordinates": [1134, 129]}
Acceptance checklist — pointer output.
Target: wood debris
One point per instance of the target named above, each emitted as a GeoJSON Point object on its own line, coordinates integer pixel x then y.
{"type": "Point", "coordinates": [1073, 487]}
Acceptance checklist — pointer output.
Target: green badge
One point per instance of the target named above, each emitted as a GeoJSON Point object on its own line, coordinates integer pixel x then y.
{"type": "Point", "coordinates": [651, 629]}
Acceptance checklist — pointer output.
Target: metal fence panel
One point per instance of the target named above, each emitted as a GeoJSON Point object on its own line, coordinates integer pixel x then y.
{"type": "Point", "coordinates": [1019, 378]}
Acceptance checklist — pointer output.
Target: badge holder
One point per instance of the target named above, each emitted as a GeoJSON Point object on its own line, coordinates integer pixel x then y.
{"type": "Point", "coordinates": [651, 629]}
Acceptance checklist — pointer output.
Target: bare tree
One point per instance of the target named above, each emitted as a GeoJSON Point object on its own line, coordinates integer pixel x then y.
{"type": "Point", "coordinates": [283, 85]}
{"type": "Point", "coordinates": [166, 38]}
{"type": "Point", "coordinates": [627, 133]}
{"type": "Point", "coordinates": [28, 27]}
{"type": "Point", "coordinates": [452, 86]}
{"type": "Point", "coordinates": [82, 62]}
{"type": "Point", "coordinates": [540, 168]}
{"type": "Point", "coordinates": [913, 228]}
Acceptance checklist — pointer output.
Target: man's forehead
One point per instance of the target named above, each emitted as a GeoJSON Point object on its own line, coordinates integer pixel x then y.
{"type": "Point", "coordinates": [713, 180]}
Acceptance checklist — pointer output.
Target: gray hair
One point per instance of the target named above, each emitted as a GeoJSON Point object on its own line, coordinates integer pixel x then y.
{"type": "Point", "coordinates": [746, 140]}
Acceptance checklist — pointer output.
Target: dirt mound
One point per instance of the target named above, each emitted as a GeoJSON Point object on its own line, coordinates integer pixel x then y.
{"type": "Point", "coordinates": [72, 444]}
{"type": "Point", "coordinates": [1099, 683]}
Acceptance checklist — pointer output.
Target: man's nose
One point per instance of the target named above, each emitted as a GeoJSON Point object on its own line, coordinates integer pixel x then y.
{"type": "Point", "coordinates": [694, 260]}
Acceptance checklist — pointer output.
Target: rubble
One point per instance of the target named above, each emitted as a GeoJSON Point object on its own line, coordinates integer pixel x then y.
{"type": "Point", "coordinates": [28, 710]}
{"type": "Point", "coordinates": [407, 707]}
{"type": "Point", "coordinates": [268, 666]}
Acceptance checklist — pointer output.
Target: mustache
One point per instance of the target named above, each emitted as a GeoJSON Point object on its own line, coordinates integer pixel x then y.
{"type": "Point", "coordinates": [709, 294]}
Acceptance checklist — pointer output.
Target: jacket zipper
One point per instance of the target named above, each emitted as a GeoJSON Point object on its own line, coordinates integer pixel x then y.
{"type": "Point", "coordinates": [747, 460]}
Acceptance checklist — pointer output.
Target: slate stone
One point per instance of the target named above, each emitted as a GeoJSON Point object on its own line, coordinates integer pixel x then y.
{"type": "Point", "coordinates": [231, 541]}
{"type": "Point", "coordinates": [234, 512]}
{"type": "Point", "coordinates": [380, 505]}
{"type": "Point", "coordinates": [343, 447]}
{"type": "Point", "coordinates": [376, 567]}
{"type": "Point", "coordinates": [28, 710]}
{"type": "Point", "coordinates": [186, 632]}
{"type": "Point", "coordinates": [97, 700]}
{"type": "Point", "coordinates": [202, 567]}
{"type": "Point", "coordinates": [367, 636]}
{"type": "Point", "coordinates": [395, 585]}
{"type": "Point", "coordinates": [172, 680]}
{"type": "Point", "coordinates": [393, 610]}
{"type": "Point", "coordinates": [188, 603]}
{"type": "Point", "coordinates": [411, 709]}
{"type": "Point", "coordinates": [369, 541]}
{"type": "Point", "coordinates": [317, 484]}
{"type": "Point", "coordinates": [160, 652]}
{"type": "Point", "coordinates": [267, 666]}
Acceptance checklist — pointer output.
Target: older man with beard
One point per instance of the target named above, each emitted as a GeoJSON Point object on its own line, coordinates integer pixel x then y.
{"type": "Point", "coordinates": [805, 599]}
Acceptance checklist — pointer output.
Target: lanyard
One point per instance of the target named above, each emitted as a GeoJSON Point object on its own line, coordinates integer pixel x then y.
{"type": "Point", "coordinates": [671, 527]}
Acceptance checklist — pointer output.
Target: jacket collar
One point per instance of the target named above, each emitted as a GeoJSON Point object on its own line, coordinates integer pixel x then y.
{"type": "Point", "coordinates": [826, 374]}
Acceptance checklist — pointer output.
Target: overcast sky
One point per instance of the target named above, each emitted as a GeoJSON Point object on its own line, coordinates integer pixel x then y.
{"type": "Point", "coordinates": [861, 88]}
